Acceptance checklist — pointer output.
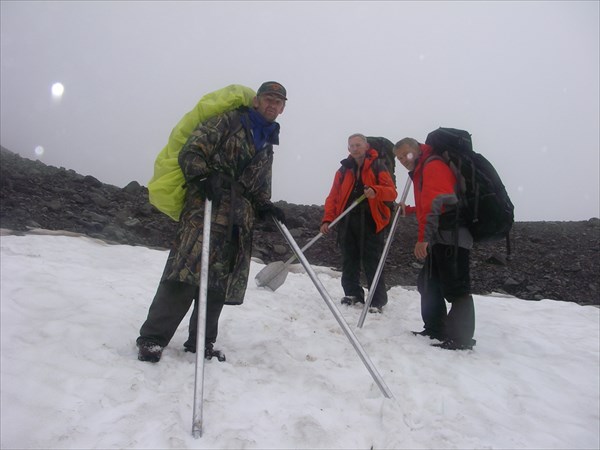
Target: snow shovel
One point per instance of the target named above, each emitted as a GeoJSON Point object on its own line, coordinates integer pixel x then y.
{"type": "Point", "coordinates": [275, 273]}
{"type": "Point", "coordinates": [386, 249]}
{"type": "Point", "coordinates": [201, 333]}
{"type": "Point", "coordinates": [336, 313]}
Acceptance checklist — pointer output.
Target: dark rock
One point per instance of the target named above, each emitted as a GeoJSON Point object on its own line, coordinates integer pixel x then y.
{"type": "Point", "coordinates": [497, 259]}
{"type": "Point", "coordinates": [510, 283]}
{"type": "Point", "coordinates": [549, 260]}
{"type": "Point", "coordinates": [280, 250]}
{"type": "Point", "coordinates": [91, 181]}
{"type": "Point", "coordinates": [132, 188]}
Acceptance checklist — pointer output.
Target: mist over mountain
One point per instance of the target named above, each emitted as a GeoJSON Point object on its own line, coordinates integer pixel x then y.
{"type": "Point", "coordinates": [549, 260]}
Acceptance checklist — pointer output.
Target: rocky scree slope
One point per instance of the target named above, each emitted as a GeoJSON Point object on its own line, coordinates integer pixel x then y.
{"type": "Point", "coordinates": [550, 260]}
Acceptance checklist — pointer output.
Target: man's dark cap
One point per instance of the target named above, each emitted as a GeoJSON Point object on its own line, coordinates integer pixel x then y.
{"type": "Point", "coordinates": [272, 87]}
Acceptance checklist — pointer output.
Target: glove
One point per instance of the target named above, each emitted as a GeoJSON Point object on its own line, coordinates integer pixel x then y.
{"type": "Point", "coordinates": [270, 210]}
{"type": "Point", "coordinates": [210, 188]}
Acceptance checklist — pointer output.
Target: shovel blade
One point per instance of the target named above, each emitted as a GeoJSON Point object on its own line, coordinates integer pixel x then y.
{"type": "Point", "coordinates": [272, 276]}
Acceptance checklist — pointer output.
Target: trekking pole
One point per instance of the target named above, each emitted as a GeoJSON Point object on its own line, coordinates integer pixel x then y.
{"type": "Point", "coordinates": [201, 332]}
{"type": "Point", "coordinates": [386, 249]}
{"type": "Point", "coordinates": [336, 313]}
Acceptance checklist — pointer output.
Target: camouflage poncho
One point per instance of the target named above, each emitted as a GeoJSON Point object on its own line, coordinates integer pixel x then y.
{"type": "Point", "coordinates": [221, 145]}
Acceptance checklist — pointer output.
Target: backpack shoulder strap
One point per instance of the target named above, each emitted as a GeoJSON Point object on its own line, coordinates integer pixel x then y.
{"type": "Point", "coordinates": [430, 158]}
{"type": "Point", "coordinates": [376, 167]}
{"type": "Point", "coordinates": [379, 166]}
{"type": "Point", "coordinates": [433, 158]}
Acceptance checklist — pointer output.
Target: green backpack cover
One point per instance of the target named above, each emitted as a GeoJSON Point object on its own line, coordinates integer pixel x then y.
{"type": "Point", "coordinates": [166, 189]}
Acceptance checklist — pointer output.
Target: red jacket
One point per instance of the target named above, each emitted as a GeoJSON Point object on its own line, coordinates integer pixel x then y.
{"type": "Point", "coordinates": [343, 183]}
{"type": "Point", "coordinates": [434, 187]}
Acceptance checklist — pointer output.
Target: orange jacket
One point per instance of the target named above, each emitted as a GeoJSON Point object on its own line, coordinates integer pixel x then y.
{"type": "Point", "coordinates": [434, 188]}
{"type": "Point", "coordinates": [343, 183]}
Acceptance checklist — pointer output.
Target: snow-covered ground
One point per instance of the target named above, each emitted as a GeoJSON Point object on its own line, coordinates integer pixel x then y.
{"type": "Point", "coordinates": [71, 308]}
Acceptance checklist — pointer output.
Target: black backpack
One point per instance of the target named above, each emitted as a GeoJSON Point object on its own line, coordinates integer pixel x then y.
{"type": "Point", "coordinates": [484, 203]}
{"type": "Point", "coordinates": [385, 150]}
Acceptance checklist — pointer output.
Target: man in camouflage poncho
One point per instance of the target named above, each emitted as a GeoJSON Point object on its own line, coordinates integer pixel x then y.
{"type": "Point", "coordinates": [227, 159]}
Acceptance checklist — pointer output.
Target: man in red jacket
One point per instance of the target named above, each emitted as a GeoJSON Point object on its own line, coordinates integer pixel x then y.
{"type": "Point", "coordinates": [444, 244]}
{"type": "Point", "coordinates": [361, 237]}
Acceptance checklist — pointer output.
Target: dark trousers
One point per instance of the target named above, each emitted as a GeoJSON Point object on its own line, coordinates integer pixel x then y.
{"type": "Point", "coordinates": [170, 305]}
{"type": "Point", "coordinates": [445, 276]}
{"type": "Point", "coordinates": [361, 246]}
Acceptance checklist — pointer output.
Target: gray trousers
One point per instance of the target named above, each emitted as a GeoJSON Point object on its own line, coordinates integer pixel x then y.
{"type": "Point", "coordinates": [446, 276]}
{"type": "Point", "coordinates": [170, 305]}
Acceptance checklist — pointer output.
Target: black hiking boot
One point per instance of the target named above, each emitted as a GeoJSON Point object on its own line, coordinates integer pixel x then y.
{"type": "Point", "coordinates": [352, 300]}
{"type": "Point", "coordinates": [189, 347]}
{"type": "Point", "coordinates": [376, 309]}
{"type": "Point", "coordinates": [450, 344]}
{"type": "Point", "coordinates": [149, 351]}
{"type": "Point", "coordinates": [210, 352]}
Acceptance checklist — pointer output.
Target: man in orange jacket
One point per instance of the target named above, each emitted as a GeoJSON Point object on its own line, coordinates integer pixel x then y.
{"type": "Point", "coordinates": [361, 237]}
{"type": "Point", "coordinates": [444, 244]}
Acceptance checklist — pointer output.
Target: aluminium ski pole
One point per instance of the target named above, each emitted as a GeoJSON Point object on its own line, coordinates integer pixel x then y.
{"type": "Point", "coordinates": [336, 313]}
{"type": "Point", "coordinates": [201, 332]}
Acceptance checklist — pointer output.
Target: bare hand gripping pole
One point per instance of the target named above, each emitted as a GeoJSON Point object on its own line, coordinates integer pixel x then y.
{"type": "Point", "coordinates": [336, 313]}
{"type": "Point", "coordinates": [386, 249]}
{"type": "Point", "coordinates": [275, 273]}
{"type": "Point", "coordinates": [201, 333]}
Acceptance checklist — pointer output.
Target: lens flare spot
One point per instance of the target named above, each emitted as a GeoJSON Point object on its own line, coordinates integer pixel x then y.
{"type": "Point", "coordinates": [57, 90]}
{"type": "Point", "coordinates": [410, 156]}
{"type": "Point", "coordinates": [39, 150]}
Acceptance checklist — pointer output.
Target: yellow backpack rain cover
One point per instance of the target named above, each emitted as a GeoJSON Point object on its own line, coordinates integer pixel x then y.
{"type": "Point", "coordinates": [166, 189]}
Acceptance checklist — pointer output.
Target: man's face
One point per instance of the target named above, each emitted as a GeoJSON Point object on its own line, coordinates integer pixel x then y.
{"type": "Point", "coordinates": [269, 106]}
{"type": "Point", "coordinates": [357, 147]}
{"type": "Point", "coordinates": [407, 156]}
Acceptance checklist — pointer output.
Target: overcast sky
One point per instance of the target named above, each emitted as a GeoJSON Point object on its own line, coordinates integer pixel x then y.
{"type": "Point", "coordinates": [522, 77]}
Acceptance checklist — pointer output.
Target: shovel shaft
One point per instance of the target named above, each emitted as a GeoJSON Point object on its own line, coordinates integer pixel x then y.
{"type": "Point", "coordinates": [386, 249]}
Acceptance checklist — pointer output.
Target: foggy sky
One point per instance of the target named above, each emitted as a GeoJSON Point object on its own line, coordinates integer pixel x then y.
{"type": "Point", "coordinates": [522, 77]}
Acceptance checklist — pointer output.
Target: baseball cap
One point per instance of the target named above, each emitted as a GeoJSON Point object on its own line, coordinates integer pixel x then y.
{"type": "Point", "coordinates": [272, 87]}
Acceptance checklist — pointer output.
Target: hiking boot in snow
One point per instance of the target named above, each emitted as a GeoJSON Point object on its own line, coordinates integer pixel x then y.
{"type": "Point", "coordinates": [189, 347]}
{"type": "Point", "coordinates": [450, 344]}
{"type": "Point", "coordinates": [376, 309]}
{"type": "Point", "coordinates": [430, 334]}
{"type": "Point", "coordinates": [209, 352]}
{"type": "Point", "coordinates": [149, 351]}
{"type": "Point", "coordinates": [352, 300]}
